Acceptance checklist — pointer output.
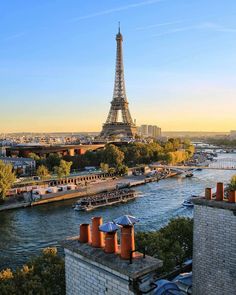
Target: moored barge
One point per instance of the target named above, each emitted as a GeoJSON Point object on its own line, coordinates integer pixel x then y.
{"type": "Point", "coordinates": [105, 199]}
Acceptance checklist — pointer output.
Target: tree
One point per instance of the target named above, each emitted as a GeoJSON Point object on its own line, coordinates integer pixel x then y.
{"type": "Point", "coordinates": [42, 172]}
{"type": "Point", "coordinates": [112, 155]}
{"type": "Point", "coordinates": [122, 169]}
{"type": "Point", "coordinates": [173, 243]}
{"type": "Point", "coordinates": [34, 156]}
{"type": "Point", "coordinates": [7, 178]}
{"type": "Point", "coordinates": [63, 169]}
{"type": "Point", "coordinates": [52, 161]}
{"type": "Point", "coordinates": [232, 184]}
{"type": "Point", "coordinates": [104, 167]}
{"type": "Point", "coordinates": [44, 274]}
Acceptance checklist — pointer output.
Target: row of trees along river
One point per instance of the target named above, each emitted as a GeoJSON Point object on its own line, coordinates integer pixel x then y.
{"type": "Point", "coordinates": [116, 158]}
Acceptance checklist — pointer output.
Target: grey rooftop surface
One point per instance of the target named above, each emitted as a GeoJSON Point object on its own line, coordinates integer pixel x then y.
{"type": "Point", "coordinates": [215, 204]}
{"type": "Point", "coordinates": [139, 267]}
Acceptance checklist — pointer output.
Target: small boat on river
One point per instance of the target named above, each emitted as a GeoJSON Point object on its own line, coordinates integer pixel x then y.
{"type": "Point", "coordinates": [188, 203]}
{"type": "Point", "coordinates": [105, 199]}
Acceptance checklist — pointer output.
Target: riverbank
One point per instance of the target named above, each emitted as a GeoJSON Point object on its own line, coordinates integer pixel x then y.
{"type": "Point", "coordinates": [92, 189]}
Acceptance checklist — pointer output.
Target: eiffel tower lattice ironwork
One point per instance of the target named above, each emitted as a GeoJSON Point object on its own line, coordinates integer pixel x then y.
{"type": "Point", "coordinates": [119, 103]}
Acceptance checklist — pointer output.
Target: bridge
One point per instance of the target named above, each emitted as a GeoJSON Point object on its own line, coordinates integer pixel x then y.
{"type": "Point", "coordinates": [222, 164]}
{"type": "Point", "coordinates": [214, 148]}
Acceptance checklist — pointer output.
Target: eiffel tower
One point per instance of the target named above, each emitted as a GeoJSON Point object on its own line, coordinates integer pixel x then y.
{"type": "Point", "coordinates": [114, 125]}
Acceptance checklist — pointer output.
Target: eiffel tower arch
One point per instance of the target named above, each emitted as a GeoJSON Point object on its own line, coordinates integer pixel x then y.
{"type": "Point", "coordinates": [119, 121]}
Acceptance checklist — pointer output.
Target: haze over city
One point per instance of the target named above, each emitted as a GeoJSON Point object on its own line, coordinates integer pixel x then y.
{"type": "Point", "coordinates": [57, 61]}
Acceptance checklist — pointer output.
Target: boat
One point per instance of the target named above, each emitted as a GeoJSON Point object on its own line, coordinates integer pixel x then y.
{"type": "Point", "coordinates": [188, 203]}
{"type": "Point", "coordinates": [105, 199]}
{"type": "Point", "coordinates": [189, 175]}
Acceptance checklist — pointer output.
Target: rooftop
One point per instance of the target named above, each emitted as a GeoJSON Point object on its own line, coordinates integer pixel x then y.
{"type": "Point", "coordinates": [215, 204]}
{"type": "Point", "coordinates": [139, 267]}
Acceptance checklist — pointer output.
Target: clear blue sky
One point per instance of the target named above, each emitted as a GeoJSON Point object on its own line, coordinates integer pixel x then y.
{"type": "Point", "coordinates": [57, 61]}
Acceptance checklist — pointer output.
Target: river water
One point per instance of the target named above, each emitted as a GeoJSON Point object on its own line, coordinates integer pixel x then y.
{"type": "Point", "coordinates": [24, 232]}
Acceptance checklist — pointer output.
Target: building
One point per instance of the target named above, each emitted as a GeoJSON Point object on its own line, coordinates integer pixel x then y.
{"type": "Point", "coordinates": [119, 121]}
{"type": "Point", "coordinates": [150, 131]}
{"type": "Point", "coordinates": [233, 134]}
{"type": "Point", "coordinates": [214, 243]}
{"type": "Point", "coordinates": [93, 267]}
{"type": "Point", "coordinates": [2, 151]}
{"type": "Point", "coordinates": [22, 166]}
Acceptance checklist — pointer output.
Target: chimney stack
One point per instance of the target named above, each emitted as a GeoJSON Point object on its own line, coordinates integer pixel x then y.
{"type": "Point", "coordinates": [85, 234]}
{"type": "Point", "coordinates": [219, 191]}
{"type": "Point", "coordinates": [97, 235]}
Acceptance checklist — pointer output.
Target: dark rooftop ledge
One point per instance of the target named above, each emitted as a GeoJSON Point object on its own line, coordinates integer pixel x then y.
{"type": "Point", "coordinates": [139, 267]}
{"type": "Point", "coordinates": [215, 204]}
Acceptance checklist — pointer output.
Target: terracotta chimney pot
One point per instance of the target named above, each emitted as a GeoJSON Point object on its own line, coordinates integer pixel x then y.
{"type": "Point", "coordinates": [127, 241]}
{"type": "Point", "coordinates": [208, 193]}
{"type": "Point", "coordinates": [220, 191]}
{"type": "Point", "coordinates": [97, 235]}
{"type": "Point", "coordinates": [85, 234]}
{"type": "Point", "coordinates": [232, 197]}
{"type": "Point", "coordinates": [111, 245]}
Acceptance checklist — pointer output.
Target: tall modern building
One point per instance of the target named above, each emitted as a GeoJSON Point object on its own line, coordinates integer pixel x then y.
{"type": "Point", "coordinates": [150, 131]}
{"type": "Point", "coordinates": [119, 121]}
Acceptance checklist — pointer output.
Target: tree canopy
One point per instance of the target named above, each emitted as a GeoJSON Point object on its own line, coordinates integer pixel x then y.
{"type": "Point", "coordinates": [42, 172]}
{"type": "Point", "coordinates": [7, 178]}
{"type": "Point", "coordinates": [63, 169]}
{"type": "Point", "coordinates": [173, 243]}
{"type": "Point", "coordinates": [44, 275]}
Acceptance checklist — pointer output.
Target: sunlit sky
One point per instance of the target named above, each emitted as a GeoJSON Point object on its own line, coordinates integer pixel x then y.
{"type": "Point", "coordinates": [57, 62]}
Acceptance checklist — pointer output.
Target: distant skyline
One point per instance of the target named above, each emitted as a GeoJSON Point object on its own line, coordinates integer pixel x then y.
{"type": "Point", "coordinates": [57, 63]}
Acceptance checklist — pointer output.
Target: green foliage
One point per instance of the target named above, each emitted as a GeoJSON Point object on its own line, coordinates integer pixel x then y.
{"type": "Point", "coordinates": [34, 157]}
{"type": "Point", "coordinates": [7, 178]}
{"type": "Point", "coordinates": [42, 172]}
{"type": "Point", "coordinates": [43, 275]}
{"type": "Point", "coordinates": [173, 243]}
{"type": "Point", "coordinates": [104, 167]}
{"type": "Point", "coordinates": [63, 169]}
{"type": "Point", "coordinates": [232, 184]}
{"type": "Point", "coordinates": [132, 154]}
{"type": "Point", "coordinates": [52, 161]}
{"type": "Point", "coordinates": [179, 156]}
{"type": "Point", "coordinates": [112, 155]}
{"type": "Point", "coordinates": [122, 169]}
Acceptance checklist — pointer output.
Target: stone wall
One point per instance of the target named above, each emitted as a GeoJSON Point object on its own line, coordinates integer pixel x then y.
{"type": "Point", "coordinates": [86, 277]}
{"type": "Point", "coordinates": [214, 255]}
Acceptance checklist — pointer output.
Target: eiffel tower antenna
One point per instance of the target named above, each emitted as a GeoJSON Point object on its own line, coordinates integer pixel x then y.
{"type": "Point", "coordinates": [119, 103]}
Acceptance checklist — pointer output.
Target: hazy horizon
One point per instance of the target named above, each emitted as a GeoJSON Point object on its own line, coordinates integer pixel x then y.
{"type": "Point", "coordinates": [57, 64]}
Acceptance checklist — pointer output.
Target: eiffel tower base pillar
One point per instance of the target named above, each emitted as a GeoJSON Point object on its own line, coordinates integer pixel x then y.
{"type": "Point", "coordinates": [118, 129]}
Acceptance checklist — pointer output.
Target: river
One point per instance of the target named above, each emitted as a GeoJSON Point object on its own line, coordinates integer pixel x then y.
{"type": "Point", "coordinates": [24, 232]}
